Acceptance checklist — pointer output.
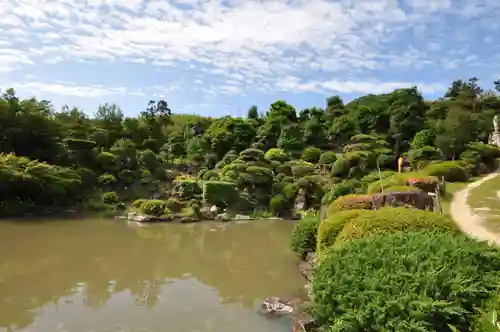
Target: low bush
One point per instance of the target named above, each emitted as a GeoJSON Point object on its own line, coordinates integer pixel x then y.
{"type": "Point", "coordinates": [219, 193]}
{"type": "Point", "coordinates": [106, 180]}
{"type": "Point", "coordinates": [327, 158]}
{"type": "Point", "coordinates": [173, 204]}
{"type": "Point", "coordinates": [329, 228]}
{"type": "Point", "coordinates": [304, 235]}
{"type": "Point", "coordinates": [400, 189]}
{"type": "Point", "coordinates": [138, 202]}
{"type": "Point", "coordinates": [187, 189]}
{"type": "Point", "coordinates": [417, 281]}
{"type": "Point", "coordinates": [153, 207]}
{"type": "Point", "coordinates": [340, 189]}
{"type": "Point", "coordinates": [278, 205]}
{"type": "Point", "coordinates": [390, 220]}
{"type": "Point", "coordinates": [350, 202]}
{"type": "Point", "coordinates": [110, 197]}
{"type": "Point", "coordinates": [451, 171]}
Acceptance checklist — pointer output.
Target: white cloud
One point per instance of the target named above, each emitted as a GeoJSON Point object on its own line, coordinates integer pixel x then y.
{"type": "Point", "coordinates": [247, 44]}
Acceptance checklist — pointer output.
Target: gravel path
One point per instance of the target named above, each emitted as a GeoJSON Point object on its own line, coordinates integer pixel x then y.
{"type": "Point", "coordinates": [469, 222]}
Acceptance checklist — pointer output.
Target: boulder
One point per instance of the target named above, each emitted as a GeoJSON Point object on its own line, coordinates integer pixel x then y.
{"type": "Point", "coordinates": [276, 307]}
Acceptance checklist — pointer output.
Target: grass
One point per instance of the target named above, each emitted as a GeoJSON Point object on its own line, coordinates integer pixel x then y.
{"type": "Point", "coordinates": [452, 188]}
{"type": "Point", "coordinates": [485, 201]}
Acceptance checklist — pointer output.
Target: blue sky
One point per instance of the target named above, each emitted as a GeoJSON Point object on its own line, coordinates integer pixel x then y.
{"type": "Point", "coordinates": [218, 57]}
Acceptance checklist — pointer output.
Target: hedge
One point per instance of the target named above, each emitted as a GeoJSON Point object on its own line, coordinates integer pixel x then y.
{"type": "Point", "coordinates": [187, 189]}
{"type": "Point", "coordinates": [173, 204]}
{"type": "Point", "coordinates": [219, 193]}
{"type": "Point", "coordinates": [327, 158]}
{"type": "Point", "coordinates": [329, 228]}
{"type": "Point", "coordinates": [416, 281]}
{"type": "Point", "coordinates": [350, 202]}
{"type": "Point", "coordinates": [154, 207]}
{"type": "Point", "coordinates": [393, 219]}
{"type": "Point", "coordinates": [278, 205]}
{"type": "Point", "coordinates": [304, 235]}
{"type": "Point", "coordinates": [451, 171]}
{"type": "Point", "coordinates": [110, 197]}
{"type": "Point", "coordinates": [340, 189]}
{"type": "Point", "coordinates": [138, 202]}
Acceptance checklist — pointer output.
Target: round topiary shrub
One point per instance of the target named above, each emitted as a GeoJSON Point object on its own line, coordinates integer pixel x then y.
{"type": "Point", "coordinates": [277, 205]}
{"type": "Point", "coordinates": [329, 228]}
{"type": "Point", "coordinates": [138, 202]}
{"type": "Point", "coordinates": [173, 204]}
{"type": "Point", "coordinates": [327, 158]}
{"type": "Point", "coordinates": [304, 235]}
{"type": "Point", "coordinates": [110, 197]}
{"type": "Point", "coordinates": [350, 202]}
{"type": "Point", "coordinates": [451, 171]}
{"type": "Point", "coordinates": [340, 189]}
{"type": "Point", "coordinates": [416, 281]}
{"type": "Point", "coordinates": [153, 207]}
{"type": "Point", "coordinates": [390, 220]}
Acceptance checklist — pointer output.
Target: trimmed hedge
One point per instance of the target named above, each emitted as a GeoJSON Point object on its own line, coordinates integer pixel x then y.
{"type": "Point", "coordinates": [110, 197]}
{"type": "Point", "coordinates": [329, 229]}
{"type": "Point", "coordinates": [390, 219]}
{"type": "Point", "coordinates": [138, 202]}
{"type": "Point", "coordinates": [187, 189]}
{"type": "Point", "coordinates": [154, 207]}
{"type": "Point", "coordinates": [304, 235]}
{"type": "Point", "coordinates": [451, 171]}
{"type": "Point", "coordinates": [416, 281]}
{"type": "Point", "coordinates": [400, 189]}
{"type": "Point", "coordinates": [219, 193]}
{"type": "Point", "coordinates": [173, 204]}
{"type": "Point", "coordinates": [350, 202]}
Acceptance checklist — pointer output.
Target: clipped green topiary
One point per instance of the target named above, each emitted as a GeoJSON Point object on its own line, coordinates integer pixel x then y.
{"type": "Point", "coordinates": [329, 229]}
{"type": "Point", "coordinates": [451, 171]}
{"type": "Point", "coordinates": [304, 235]}
{"type": "Point", "coordinates": [278, 204]}
{"type": "Point", "coordinates": [416, 281]}
{"type": "Point", "coordinates": [187, 188]}
{"type": "Point", "coordinates": [389, 220]}
{"type": "Point", "coordinates": [350, 202]}
{"type": "Point", "coordinates": [153, 207]}
{"type": "Point", "coordinates": [138, 202]}
{"type": "Point", "coordinates": [400, 188]}
{"type": "Point", "coordinates": [340, 189]}
{"type": "Point", "coordinates": [327, 158]}
{"type": "Point", "coordinates": [219, 193]}
{"type": "Point", "coordinates": [110, 197]}
{"type": "Point", "coordinates": [173, 204]}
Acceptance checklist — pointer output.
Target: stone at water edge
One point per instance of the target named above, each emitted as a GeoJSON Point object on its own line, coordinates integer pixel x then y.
{"type": "Point", "coordinates": [276, 307]}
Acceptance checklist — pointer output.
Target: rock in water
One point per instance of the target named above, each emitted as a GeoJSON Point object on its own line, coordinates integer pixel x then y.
{"type": "Point", "coordinates": [275, 307]}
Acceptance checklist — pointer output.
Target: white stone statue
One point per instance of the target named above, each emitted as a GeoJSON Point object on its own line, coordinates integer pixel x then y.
{"type": "Point", "coordinates": [495, 123]}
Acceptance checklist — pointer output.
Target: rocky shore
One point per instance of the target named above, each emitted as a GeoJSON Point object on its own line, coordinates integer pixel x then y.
{"type": "Point", "coordinates": [276, 306]}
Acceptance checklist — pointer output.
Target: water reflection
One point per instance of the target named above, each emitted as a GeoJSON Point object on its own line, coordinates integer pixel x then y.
{"type": "Point", "coordinates": [95, 275]}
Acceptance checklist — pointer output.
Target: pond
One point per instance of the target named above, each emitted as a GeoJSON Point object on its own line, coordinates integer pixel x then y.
{"type": "Point", "coordinates": [112, 275]}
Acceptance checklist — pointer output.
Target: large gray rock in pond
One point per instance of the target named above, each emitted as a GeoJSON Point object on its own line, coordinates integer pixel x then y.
{"type": "Point", "coordinates": [276, 307]}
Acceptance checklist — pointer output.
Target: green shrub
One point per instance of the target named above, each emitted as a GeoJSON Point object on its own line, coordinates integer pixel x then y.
{"type": "Point", "coordinates": [187, 189]}
{"type": "Point", "coordinates": [451, 171]}
{"type": "Point", "coordinates": [304, 235]}
{"type": "Point", "coordinates": [390, 219]}
{"type": "Point", "coordinates": [311, 154]}
{"type": "Point", "coordinates": [153, 207]}
{"type": "Point", "coordinates": [416, 281]}
{"type": "Point", "coordinates": [327, 158]}
{"type": "Point", "coordinates": [276, 154]}
{"type": "Point", "coordinates": [210, 175]}
{"type": "Point", "coordinates": [329, 228]}
{"type": "Point", "coordinates": [350, 202]}
{"type": "Point", "coordinates": [375, 176]}
{"type": "Point", "coordinates": [425, 182]}
{"type": "Point", "coordinates": [110, 197]}
{"type": "Point", "coordinates": [173, 204]}
{"type": "Point", "coordinates": [219, 193]}
{"type": "Point", "coordinates": [126, 176]}
{"type": "Point", "coordinates": [340, 189]}
{"type": "Point", "coordinates": [138, 202]}
{"type": "Point", "coordinates": [340, 167]}
{"type": "Point", "coordinates": [106, 180]}
{"type": "Point", "coordinates": [401, 188]}
{"type": "Point", "coordinates": [278, 204]}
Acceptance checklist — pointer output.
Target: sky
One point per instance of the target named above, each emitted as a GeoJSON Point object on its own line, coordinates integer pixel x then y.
{"type": "Point", "coordinates": [219, 57]}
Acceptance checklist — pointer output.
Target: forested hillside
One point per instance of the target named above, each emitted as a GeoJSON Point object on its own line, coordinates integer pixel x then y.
{"type": "Point", "coordinates": [64, 158]}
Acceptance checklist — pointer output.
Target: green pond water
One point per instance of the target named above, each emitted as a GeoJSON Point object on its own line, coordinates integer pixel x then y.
{"type": "Point", "coordinates": [112, 275]}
